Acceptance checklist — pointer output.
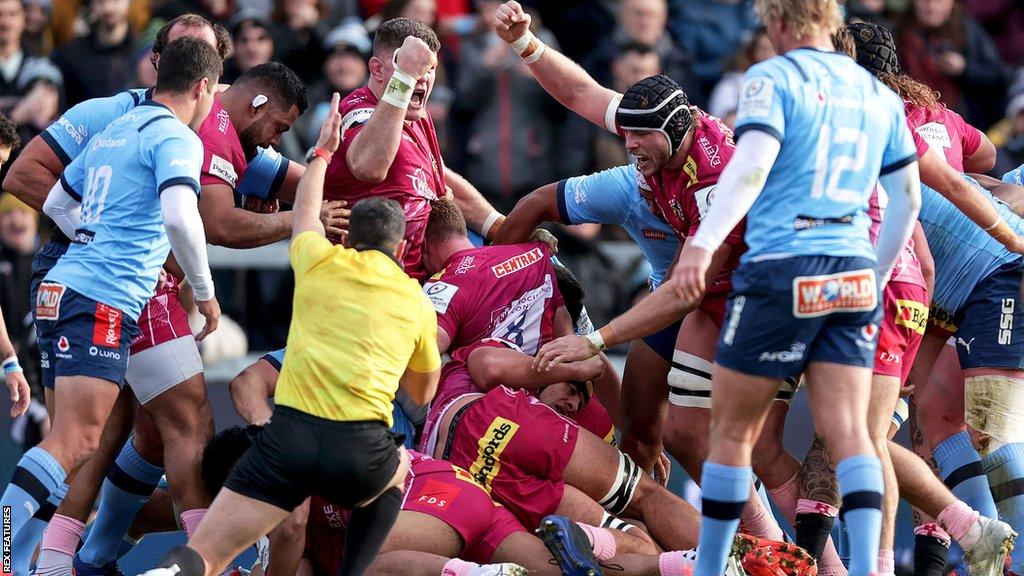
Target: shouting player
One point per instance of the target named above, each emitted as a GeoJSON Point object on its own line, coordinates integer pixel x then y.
{"type": "Point", "coordinates": [126, 200]}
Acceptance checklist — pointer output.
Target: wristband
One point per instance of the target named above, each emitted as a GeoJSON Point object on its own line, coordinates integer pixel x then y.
{"type": "Point", "coordinates": [596, 341]}
{"type": "Point", "coordinates": [994, 224]}
{"type": "Point", "coordinates": [534, 52]}
{"type": "Point", "coordinates": [11, 365]}
{"type": "Point", "coordinates": [318, 152]}
{"type": "Point", "coordinates": [399, 90]}
{"type": "Point", "coordinates": [489, 222]}
{"type": "Point", "coordinates": [522, 42]}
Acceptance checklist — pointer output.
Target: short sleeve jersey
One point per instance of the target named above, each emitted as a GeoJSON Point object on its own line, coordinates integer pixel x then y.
{"type": "Point", "coordinates": [224, 160]}
{"type": "Point", "coordinates": [508, 293]}
{"type": "Point", "coordinates": [839, 128]}
{"type": "Point", "coordinates": [70, 134]}
{"type": "Point", "coordinates": [121, 244]}
{"type": "Point", "coordinates": [347, 353]}
{"type": "Point", "coordinates": [612, 196]}
{"type": "Point", "coordinates": [944, 131]}
{"type": "Point", "coordinates": [416, 175]}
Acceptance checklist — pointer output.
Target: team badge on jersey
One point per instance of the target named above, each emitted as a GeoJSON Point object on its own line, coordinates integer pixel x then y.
{"type": "Point", "coordinates": [852, 291]}
{"type": "Point", "coordinates": [440, 295]}
{"type": "Point", "coordinates": [756, 101]}
{"type": "Point", "coordinates": [48, 301]}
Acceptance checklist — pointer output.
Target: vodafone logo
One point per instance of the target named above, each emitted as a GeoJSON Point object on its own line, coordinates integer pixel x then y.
{"type": "Point", "coordinates": [63, 345]}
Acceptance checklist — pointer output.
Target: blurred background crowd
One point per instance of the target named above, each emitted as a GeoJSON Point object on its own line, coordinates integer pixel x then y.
{"type": "Point", "coordinates": [498, 127]}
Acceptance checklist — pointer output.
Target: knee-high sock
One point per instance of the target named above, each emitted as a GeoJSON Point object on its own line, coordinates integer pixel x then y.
{"type": "Point", "coordinates": [126, 489]}
{"type": "Point", "coordinates": [962, 471]}
{"type": "Point", "coordinates": [860, 483]}
{"type": "Point", "coordinates": [1005, 471]}
{"type": "Point", "coordinates": [31, 535]}
{"type": "Point", "coordinates": [37, 476]}
{"type": "Point", "coordinates": [785, 497]}
{"type": "Point", "coordinates": [368, 528]}
{"type": "Point", "coordinates": [725, 492]}
{"type": "Point", "coordinates": [757, 519]}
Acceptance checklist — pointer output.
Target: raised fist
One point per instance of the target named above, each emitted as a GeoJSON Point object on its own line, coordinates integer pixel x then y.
{"type": "Point", "coordinates": [415, 58]}
{"type": "Point", "coordinates": [511, 22]}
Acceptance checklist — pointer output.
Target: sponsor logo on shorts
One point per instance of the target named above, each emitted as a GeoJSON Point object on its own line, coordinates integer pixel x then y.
{"type": "Point", "coordinates": [44, 359]}
{"type": "Point", "coordinates": [48, 301]}
{"type": "Point", "coordinates": [868, 334]}
{"type": "Point", "coordinates": [335, 516]}
{"type": "Point", "coordinates": [465, 265]}
{"type": "Point", "coordinates": [63, 345]}
{"type": "Point", "coordinates": [654, 234]}
{"type": "Point", "coordinates": [223, 169]}
{"type": "Point", "coordinates": [965, 343]}
{"type": "Point", "coordinates": [843, 292]}
{"type": "Point", "coordinates": [103, 353]}
{"type": "Point", "coordinates": [517, 262]}
{"type": "Point", "coordinates": [440, 295]}
{"type": "Point", "coordinates": [493, 443]}
{"type": "Point", "coordinates": [941, 319]}
{"type": "Point", "coordinates": [1006, 321]}
{"type": "Point", "coordinates": [107, 329]}
{"type": "Point", "coordinates": [911, 314]}
{"type": "Point", "coordinates": [794, 354]}
{"type": "Point", "coordinates": [438, 494]}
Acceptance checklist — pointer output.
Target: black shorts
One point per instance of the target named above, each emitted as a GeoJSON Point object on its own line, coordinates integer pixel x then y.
{"type": "Point", "coordinates": [298, 455]}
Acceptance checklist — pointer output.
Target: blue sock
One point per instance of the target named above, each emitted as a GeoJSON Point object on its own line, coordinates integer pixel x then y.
{"type": "Point", "coordinates": [127, 488]}
{"type": "Point", "coordinates": [725, 493]}
{"type": "Point", "coordinates": [960, 465]}
{"type": "Point", "coordinates": [31, 535]}
{"type": "Point", "coordinates": [37, 476]}
{"type": "Point", "coordinates": [1005, 471]}
{"type": "Point", "coordinates": [860, 484]}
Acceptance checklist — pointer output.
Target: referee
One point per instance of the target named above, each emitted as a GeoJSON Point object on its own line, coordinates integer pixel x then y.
{"type": "Point", "coordinates": [360, 328]}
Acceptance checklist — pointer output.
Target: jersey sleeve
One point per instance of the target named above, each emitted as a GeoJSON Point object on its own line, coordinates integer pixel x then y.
{"type": "Point", "coordinates": [265, 174]}
{"type": "Point", "coordinates": [176, 159]}
{"type": "Point", "coordinates": [425, 357]}
{"type": "Point", "coordinates": [443, 297]}
{"type": "Point", "coordinates": [218, 167]}
{"type": "Point", "coordinates": [68, 136]}
{"type": "Point", "coordinates": [971, 135]}
{"type": "Point", "coordinates": [604, 197]}
{"type": "Point", "coordinates": [763, 101]}
{"type": "Point", "coordinates": [275, 358]}
{"type": "Point", "coordinates": [352, 123]}
{"type": "Point", "coordinates": [73, 178]}
{"type": "Point", "coordinates": [902, 148]}
{"type": "Point", "coordinates": [306, 250]}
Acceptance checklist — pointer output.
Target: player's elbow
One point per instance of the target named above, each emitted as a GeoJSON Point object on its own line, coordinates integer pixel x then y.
{"type": "Point", "coordinates": [367, 169]}
{"type": "Point", "coordinates": [488, 375]}
{"type": "Point", "coordinates": [421, 386]}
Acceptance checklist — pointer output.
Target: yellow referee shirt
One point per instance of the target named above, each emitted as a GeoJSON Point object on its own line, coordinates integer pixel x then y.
{"type": "Point", "coordinates": [358, 321]}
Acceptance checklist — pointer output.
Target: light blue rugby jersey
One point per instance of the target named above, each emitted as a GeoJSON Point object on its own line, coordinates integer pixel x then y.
{"type": "Point", "coordinates": [121, 244]}
{"type": "Point", "coordinates": [964, 254]}
{"type": "Point", "coordinates": [612, 196]}
{"type": "Point", "coordinates": [839, 128]}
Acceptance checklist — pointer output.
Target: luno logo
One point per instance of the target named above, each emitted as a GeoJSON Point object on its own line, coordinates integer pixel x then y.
{"type": "Point", "coordinates": [493, 443]}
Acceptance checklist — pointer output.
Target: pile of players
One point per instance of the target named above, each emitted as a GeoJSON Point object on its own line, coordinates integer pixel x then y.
{"type": "Point", "coordinates": [851, 254]}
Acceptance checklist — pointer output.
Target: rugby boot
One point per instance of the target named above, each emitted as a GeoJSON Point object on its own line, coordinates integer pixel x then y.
{"type": "Point", "coordinates": [986, 556]}
{"type": "Point", "coordinates": [569, 544]}
{"type": "Point", "coordinates": [80, 568]}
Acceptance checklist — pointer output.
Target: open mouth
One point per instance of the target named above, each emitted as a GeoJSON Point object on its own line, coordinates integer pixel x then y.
{"type": "Point", "coordinates": [417, 98]}
{"type": "Point", "coordinates": [642, 163]}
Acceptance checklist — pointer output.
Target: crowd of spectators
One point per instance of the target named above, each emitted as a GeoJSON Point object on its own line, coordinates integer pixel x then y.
{"type": "Point", "coordinates": [498, 127]}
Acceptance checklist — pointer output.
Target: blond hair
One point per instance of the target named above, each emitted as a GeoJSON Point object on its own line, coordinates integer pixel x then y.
{"type": "Point", "coordinates": [806, 17]}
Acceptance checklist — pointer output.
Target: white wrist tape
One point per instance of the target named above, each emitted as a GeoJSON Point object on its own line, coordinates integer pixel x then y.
{"type": "Point", "coordinates": [596, 339]}
{"type": "Point", "coordinates": [609, 114]}
{"type": "Point", "coordinates": [488, 222]}
{"type": "Point", "coordinates": [399, 89]}
{"type": "Point", "coordinates": [522, 42]}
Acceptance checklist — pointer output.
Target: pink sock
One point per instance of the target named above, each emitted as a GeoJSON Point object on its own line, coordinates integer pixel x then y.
{"type": "Point", "coordinates": [886, 563]}
{"type": "Point", "coordinates": [675, 564]}
{"type": "Point", "coordinates": [934, 530]}
{"type": "Point", "coordinates": [456, 567]}
{"type": "Point", "coordinates": [601, 540]}
{"type": "Point", "coordinates": [785, 497]}
{"type": "Point", "coordinates": [63, 535]}
{"type": "Point", "coordinates": [957, 519]}
{"type": "Point", "coordinates": [757, 520]}
{"type": "Point", "coordinates": [190, 519]}
{"type": "Point", "coordinates": [805, 506]}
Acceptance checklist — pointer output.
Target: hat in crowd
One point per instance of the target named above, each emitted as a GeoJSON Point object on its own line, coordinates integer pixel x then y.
{"type": "Point", "coordinates": [8, 203]}
{"type": "Point", "coordinates": [44, 4]}
{"type": "Point", "coordinates": [349, 35]}
{"type": "Point", "coordinates": [254, 17]}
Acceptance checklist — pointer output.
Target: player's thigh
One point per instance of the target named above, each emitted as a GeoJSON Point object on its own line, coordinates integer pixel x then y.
{"type": "Point", "coordinates": [594, 465]}
{"type": "Point", "coordinates": [686, 432]}
{"type": "Point", "coordinates": [838, 395]}
{"type": "Point", "coordinates": [233, 523]}
{"type": "Point", "coordinates": [885, 392]}
{"type": "Point", "coordinates": [421, 532]}
{"type": "Point", "coordinates": [169, 377]}
{"type": "Point", "coordinates": [82, 406]}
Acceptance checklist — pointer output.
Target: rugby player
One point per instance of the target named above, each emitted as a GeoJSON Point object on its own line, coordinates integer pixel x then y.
{"type": "Point", "coordinates": [389, 146]}
{"type": "Point", "coordinates": [965, 296]}
{"type": "Point", "coordinates": [336, 387]}
{"type": "Point", "coordinates": [807, 236]}
{"type": "Point", "coordinates": [681, 152]}
{"type": "Point", "coordinates": [105, 279]}
{"type": "Point", "coordinates": [14, 376]}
